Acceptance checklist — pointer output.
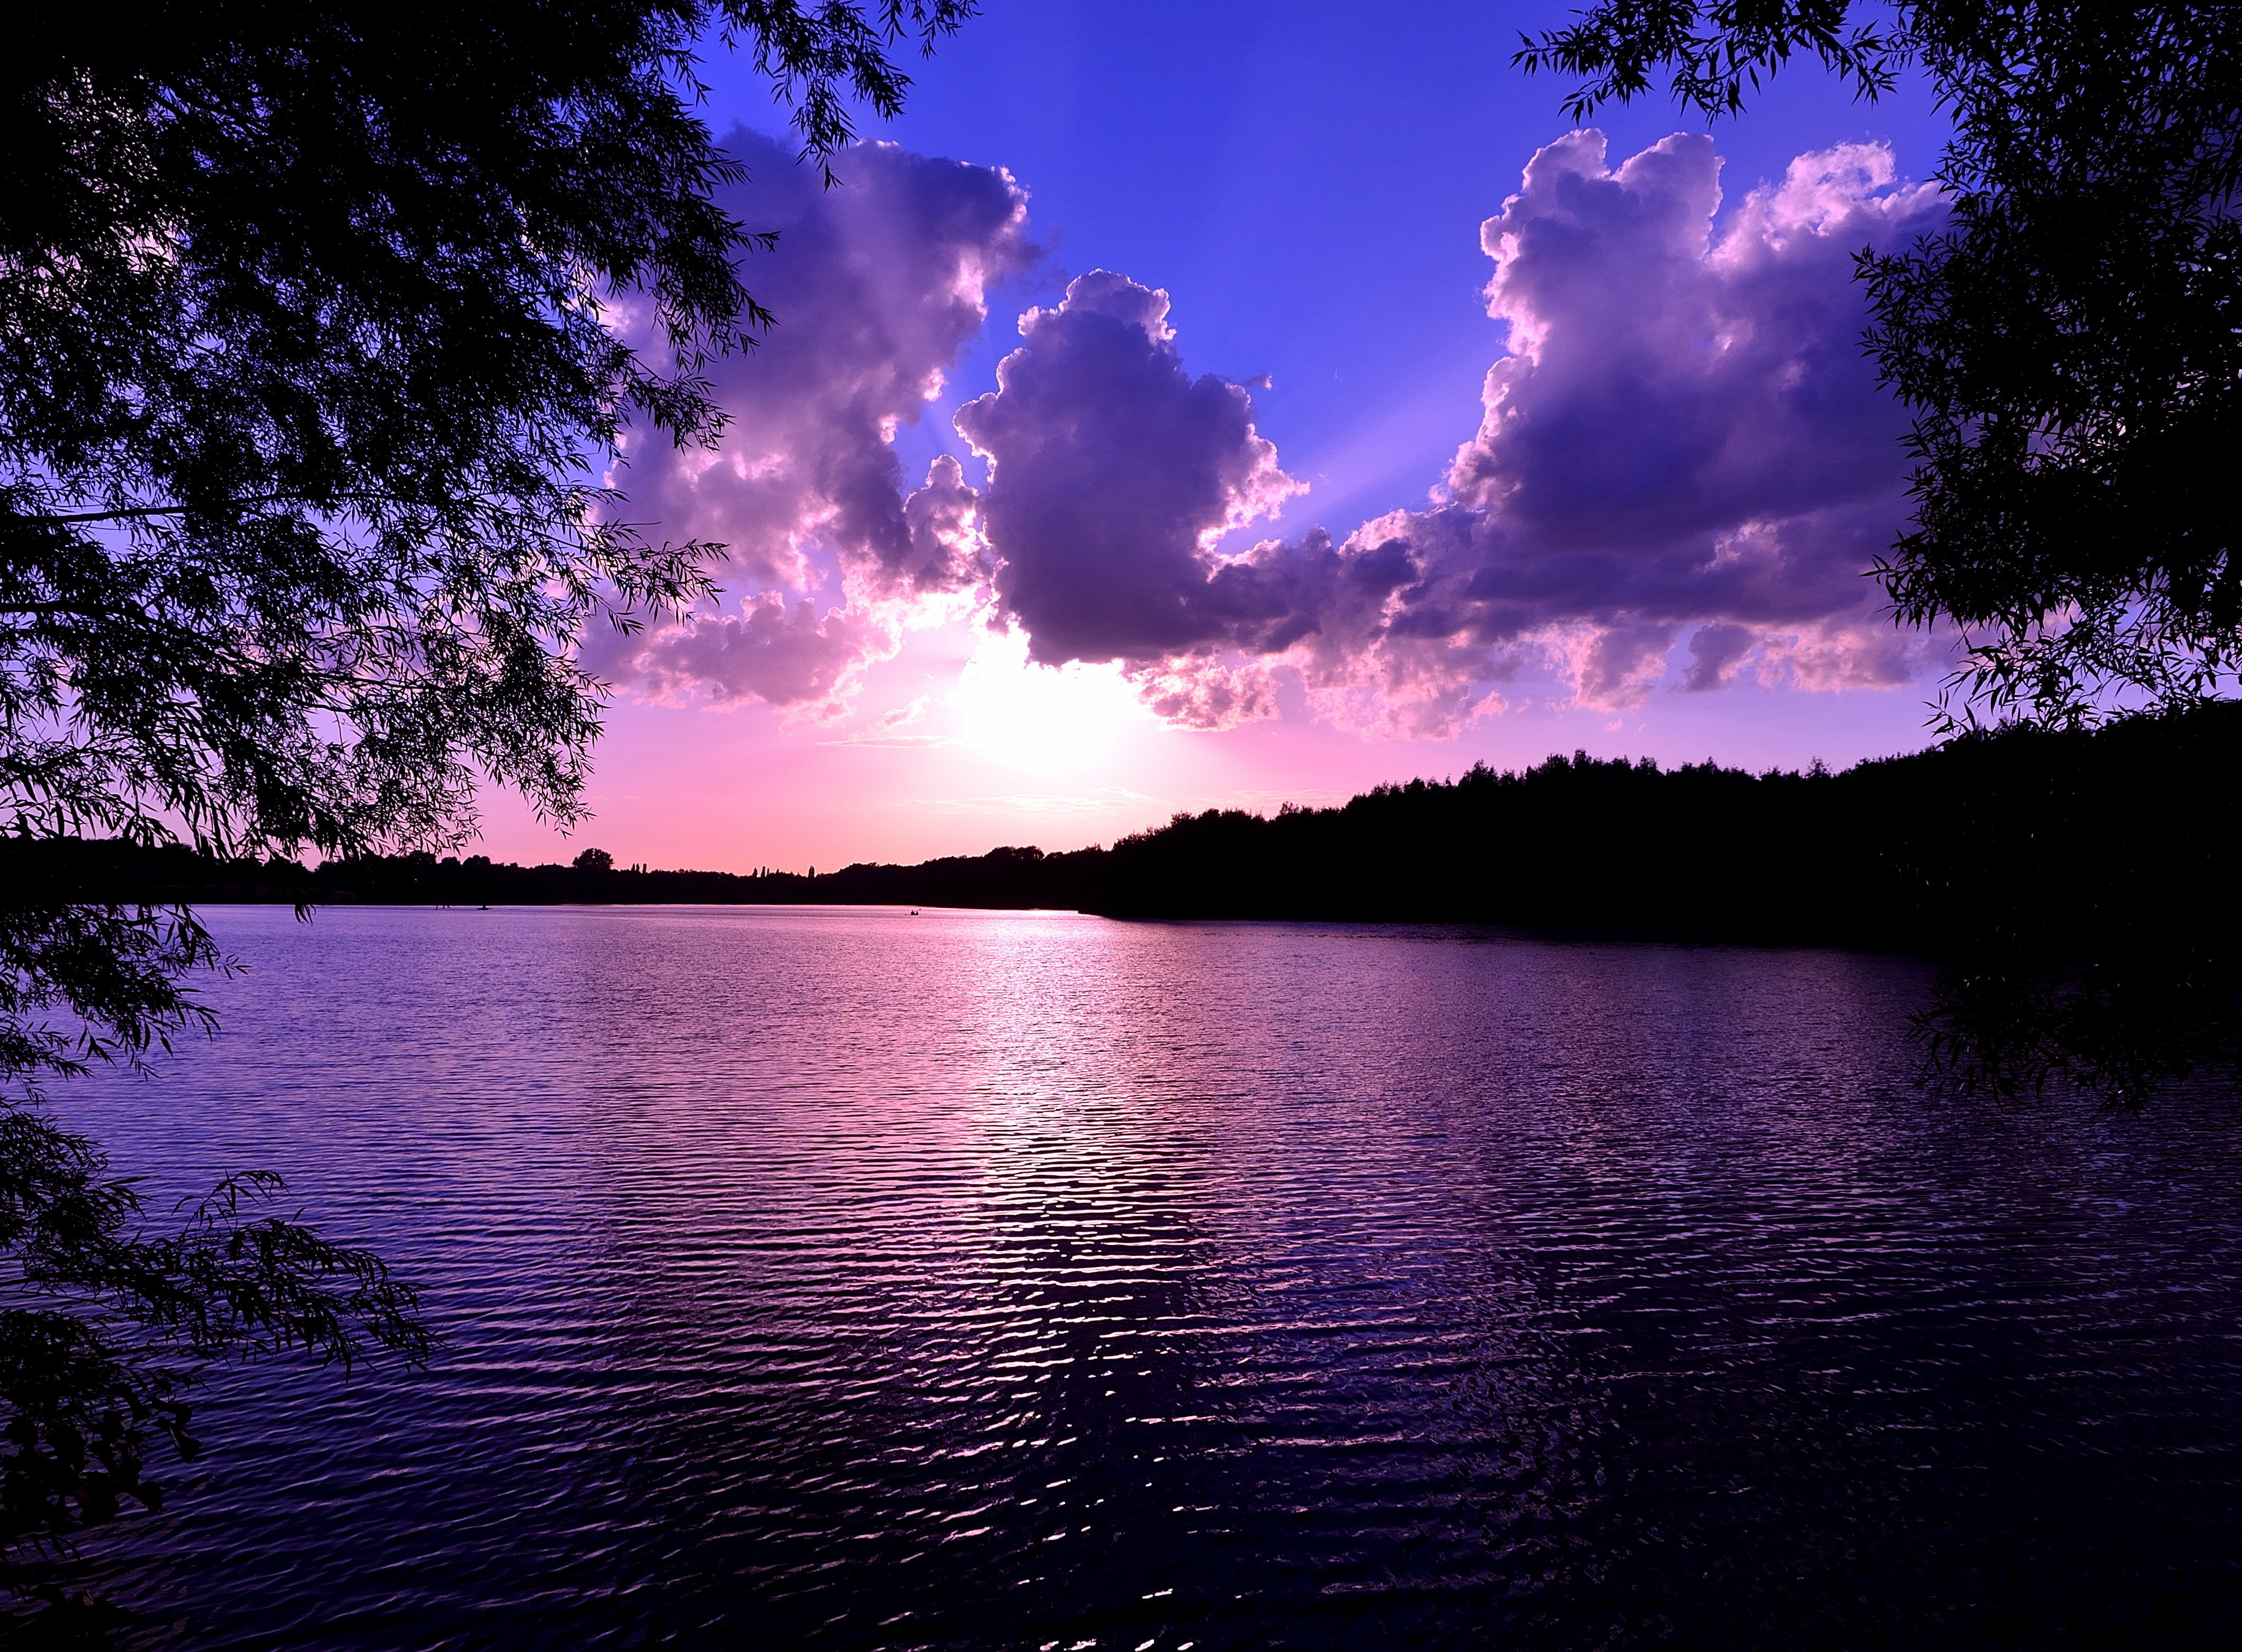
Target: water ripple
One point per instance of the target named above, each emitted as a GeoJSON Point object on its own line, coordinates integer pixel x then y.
{"type": "Point", "coordinates": [844, 1279]}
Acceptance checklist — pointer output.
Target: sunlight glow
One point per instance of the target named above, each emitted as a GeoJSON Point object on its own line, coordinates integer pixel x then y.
{"type": "Point", "coordinates": [1040, 720]}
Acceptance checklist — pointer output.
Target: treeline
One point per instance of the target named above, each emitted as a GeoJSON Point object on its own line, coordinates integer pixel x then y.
{"type": "Point", "coordinates": [74, 869]}
{"type": "Point", "coordinates": [2021, 837]}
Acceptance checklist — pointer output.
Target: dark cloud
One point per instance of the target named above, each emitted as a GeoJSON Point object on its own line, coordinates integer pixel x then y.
{"type": "Point", "coordinates": [1714, 652]}
{"type": "Point", "coordinates": [1685, 428]}
{"type": "Point", "coordinates": [1684, 432]}
{"type": "Point", "coordinates": [1112, 473]}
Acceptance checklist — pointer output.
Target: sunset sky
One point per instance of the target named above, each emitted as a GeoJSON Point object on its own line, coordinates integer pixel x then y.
{"type": "Point", "coordinates": [1358, 421]}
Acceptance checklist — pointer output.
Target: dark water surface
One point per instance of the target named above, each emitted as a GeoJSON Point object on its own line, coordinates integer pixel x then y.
{"type": "Point", "coordinates": [833, 1278]}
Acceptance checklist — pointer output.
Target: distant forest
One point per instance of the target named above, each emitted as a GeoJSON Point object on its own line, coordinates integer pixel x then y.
{"type": "Point", "coordinates": [2021, 837]}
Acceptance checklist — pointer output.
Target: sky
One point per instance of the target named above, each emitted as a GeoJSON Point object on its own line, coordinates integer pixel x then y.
{"type": "Point", "coordinates": [1189, 406]}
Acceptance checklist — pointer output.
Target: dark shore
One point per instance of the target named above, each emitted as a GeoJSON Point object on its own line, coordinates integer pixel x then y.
{"type": "Point", "coordinates": [2028, 837]}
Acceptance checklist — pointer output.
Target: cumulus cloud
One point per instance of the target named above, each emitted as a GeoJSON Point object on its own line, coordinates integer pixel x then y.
{"type": "Point", "coordinates": [878, 286]}
{"type": "Point", "coordinates": [1683, 439]}
{"type": "Point", "coordinates": [1112, 474]}
{"type": "Point", "coordinates": [788, 653]}
{"type": "Point", "coordinates": [1682, 448]}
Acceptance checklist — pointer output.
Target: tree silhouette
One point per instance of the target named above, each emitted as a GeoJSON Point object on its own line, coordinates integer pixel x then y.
{"type": "Point", "coordinates": [313, 380]}
{"type": "Point", "coordinates": [2071, 344]}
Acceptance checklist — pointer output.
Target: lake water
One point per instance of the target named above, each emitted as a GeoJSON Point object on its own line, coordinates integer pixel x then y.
{"type": "Point", "coordinates": [844, 1279]}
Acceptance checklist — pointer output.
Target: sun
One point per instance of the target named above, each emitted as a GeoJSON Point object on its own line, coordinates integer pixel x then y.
{"type": "Point", "coordinates": [1042, 719]}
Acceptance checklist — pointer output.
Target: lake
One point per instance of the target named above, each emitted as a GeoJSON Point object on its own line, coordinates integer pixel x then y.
{"type": "Point", "coordinates": [844, 1279]}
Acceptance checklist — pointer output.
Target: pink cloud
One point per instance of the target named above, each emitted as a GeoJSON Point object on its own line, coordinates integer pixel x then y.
{"type": "Point", "coordinates": [788, 653]}
{"type": "Point", "coordinates": [879, 284]}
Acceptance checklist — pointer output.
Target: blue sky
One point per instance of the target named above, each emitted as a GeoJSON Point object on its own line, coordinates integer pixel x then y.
{"type": "Point", "coordinates": [1308, 181]}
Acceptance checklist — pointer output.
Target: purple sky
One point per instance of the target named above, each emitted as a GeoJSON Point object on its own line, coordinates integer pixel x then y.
{"type": "Point", "coordinates": [1179, 409]}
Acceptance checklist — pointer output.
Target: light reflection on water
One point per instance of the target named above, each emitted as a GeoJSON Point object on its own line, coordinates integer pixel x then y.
{"type": "Point", "coordinates": [843, 1279]}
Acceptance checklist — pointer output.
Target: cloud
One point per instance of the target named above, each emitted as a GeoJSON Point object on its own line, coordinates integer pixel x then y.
{"type": "Point", "coordinates": [1112, 473]}
{"type": "Point", "coordinates": [1683, 438]}
{"type": "Point", "coordinates": [893, 729]}
{"type": "Point", "coordinates": [789, 654]}
{"type": "Point", "coordinates": [1714, 652]}
{"type": "Point", "coordinates": [1682, 447]}
{"type": "Point", "coordinates": [1203, 695]}
{"type": "Point", "coordinates": [1686, 426]}
{"type": "Point", "coordinates": [946, 551]}
{"type": "Point", "coordinates": [879, 284]}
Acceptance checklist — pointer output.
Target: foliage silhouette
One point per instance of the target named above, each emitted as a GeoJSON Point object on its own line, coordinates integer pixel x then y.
{"type": "Point", "coordinates": [2071, 344]}
{"type": "Point", "coordinates": [107, 1321]}
{"type": "Point", "coordinates": [314, 375]}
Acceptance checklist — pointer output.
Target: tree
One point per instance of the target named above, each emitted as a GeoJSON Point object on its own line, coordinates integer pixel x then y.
{"type": "Point", "coordinates": [316, 353]}
{"type": "Point", "coordinates": [2071, 344]}
{"type": "Point", "coordinates": [595, 860]}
